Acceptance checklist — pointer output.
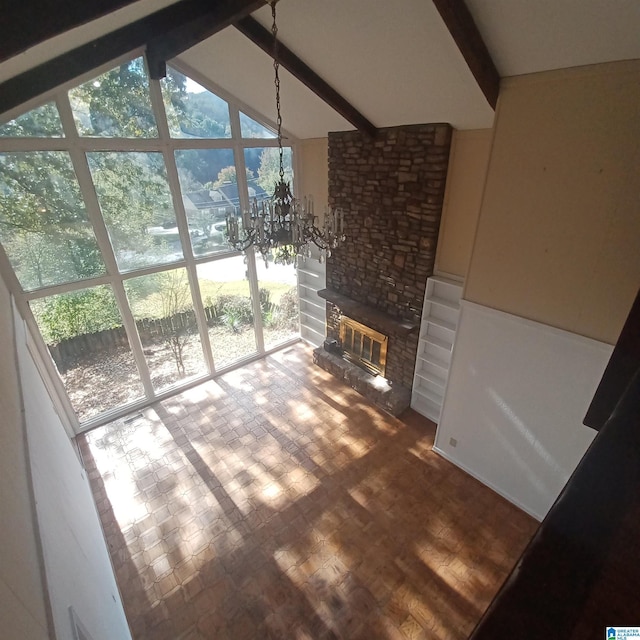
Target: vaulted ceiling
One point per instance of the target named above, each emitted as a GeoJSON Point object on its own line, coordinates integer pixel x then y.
{"type": "Point", "coordinates": [395, 62]}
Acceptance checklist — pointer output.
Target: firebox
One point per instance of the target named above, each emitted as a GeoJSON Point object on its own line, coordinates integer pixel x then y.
{"type": "Point", "coordinates": [364, 346]}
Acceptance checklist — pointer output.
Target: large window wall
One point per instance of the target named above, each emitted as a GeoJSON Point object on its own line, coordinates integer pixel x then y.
{"type": "Point", "coordinates": [113, 200]}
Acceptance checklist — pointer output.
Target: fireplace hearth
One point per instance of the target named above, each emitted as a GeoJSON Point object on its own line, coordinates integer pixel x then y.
{"type": "Point", "coordinates": [393, 399]}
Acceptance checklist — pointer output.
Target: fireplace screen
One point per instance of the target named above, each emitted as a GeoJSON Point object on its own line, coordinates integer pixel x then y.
{"type": "Point", "coordinates": [363, 345]}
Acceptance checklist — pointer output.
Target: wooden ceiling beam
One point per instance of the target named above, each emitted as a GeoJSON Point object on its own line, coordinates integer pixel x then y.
{"type": "Point", "coordinates": [74, 63]}
{"type": "Point", "coordinates": [27, 24]}
{"type": "Point", "coordinates": [189, 33]}
{"type": "Point", "coordinates": [299, 69]}
{"type": "Point", "coordinates": [464, 31]}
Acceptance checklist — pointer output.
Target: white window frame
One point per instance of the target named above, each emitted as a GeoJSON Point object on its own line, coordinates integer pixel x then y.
{"type": "Point", "coordinates": [77, 147]}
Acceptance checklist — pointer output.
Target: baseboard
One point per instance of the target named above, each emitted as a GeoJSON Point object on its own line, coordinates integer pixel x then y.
{"type": "Point", "coordinates": [485, 482]}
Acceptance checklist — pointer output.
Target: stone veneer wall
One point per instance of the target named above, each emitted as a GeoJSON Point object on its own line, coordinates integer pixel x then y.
{"type": "Point", "coordinates": [391, 189]}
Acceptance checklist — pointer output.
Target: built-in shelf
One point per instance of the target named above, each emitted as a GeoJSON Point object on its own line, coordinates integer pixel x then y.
{"type": "Point", "coordinates": [310, 287]}
{"type": "Point", "coordinates": [319, 303]}
{"type": "Point", "coordinates": [435, 346]}
{"type": "Point", "coordinates": [313, 309]}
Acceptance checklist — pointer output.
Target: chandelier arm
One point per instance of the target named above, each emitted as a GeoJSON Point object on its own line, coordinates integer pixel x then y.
{"type": "Point", "coordinates": [242, 244]}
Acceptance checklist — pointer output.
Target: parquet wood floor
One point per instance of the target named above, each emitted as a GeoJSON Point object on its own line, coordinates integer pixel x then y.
{"type": "Point", "coordinates": [275, 502]}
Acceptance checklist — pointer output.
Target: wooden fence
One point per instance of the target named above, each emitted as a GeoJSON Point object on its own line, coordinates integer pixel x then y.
{"type": "Point", "coordinates": [67, 352]}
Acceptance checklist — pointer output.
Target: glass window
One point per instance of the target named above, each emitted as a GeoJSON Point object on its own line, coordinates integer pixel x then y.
{"type": "Point", "coordinates": [44, 227]}
{"type": "Point", "coordinates": [116, 104]}
{"type": "Point", "coordinates": [209, 193]}
{"type": "Point", "coordinates": [136, 204]}
{"type": "Point", "coordinates": [47, 232]}
{"type": "Point", "coordinates": [227, 300]}
{"type": "Point", "coordinates": [264, 166]}
{"type": "Point", "coordinates": [84, 333]}
{"type": "Point", "coordinates": [278, 301]}
{"type": "Point", "coordinates": [43, 122]}
{"type": "Point", "coordinates": [252, 129]}
{"type": "Point", "coordinates": [192, 111]}
{"type": "Point", "coordinates": [163, 310]}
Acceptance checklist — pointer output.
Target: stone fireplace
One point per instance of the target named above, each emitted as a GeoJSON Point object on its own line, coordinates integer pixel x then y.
{"type": "Point", "coordinates": [391, 189]}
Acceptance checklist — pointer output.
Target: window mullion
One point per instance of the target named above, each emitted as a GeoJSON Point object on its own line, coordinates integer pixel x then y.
{"type": "Point", "coordinates": [243, 196]}
{"type": "Point", "coordinates": [81, 167]}
{"type": "Point", "coordinates": [62, 399]}
{"type": "Point", "coordinates": [181, 218]}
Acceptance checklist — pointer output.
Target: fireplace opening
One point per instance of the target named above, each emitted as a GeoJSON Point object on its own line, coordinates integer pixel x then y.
{"type": "Point", "coordinates": [364, 346]}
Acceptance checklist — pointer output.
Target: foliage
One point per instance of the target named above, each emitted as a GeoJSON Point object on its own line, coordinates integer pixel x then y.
{"type": "Point", "coordinates": [43, 121]}
{"type": "Point", "coordinates": [200, 167]}
{"type": "Point", "coordinates": [134, 195]}
{"type": "Point", "coordinates": [288, 310]}
{"type": "Point", "coordinates": [193, 114]}
{"type": "Point", "coordinates": [68, 315]}
{"type": "Point", "coordinates": [43, 224]}
{"type": "Point", "coordinates": [175, 298]}
{"type": "Point", "coordinates": [233, 306]}
{"type": "Point", "coordinates": [269, 170]}
{"type": "Point", "coordinates": [268, 309]}
{"type": "Point", "coordinates": [40, 201]}
{"type": "Point", "coordinates": [228, 174]}
{"type": "Point", "coordinates": [116, 104]}
{"type": "Point", "coordinates": [232, 319]}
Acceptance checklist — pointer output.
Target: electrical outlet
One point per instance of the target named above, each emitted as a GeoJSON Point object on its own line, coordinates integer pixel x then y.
{"type": "Point", "coordinates": [453, 442]}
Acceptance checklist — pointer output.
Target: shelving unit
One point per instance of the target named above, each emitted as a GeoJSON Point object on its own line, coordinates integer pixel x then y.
{"type": "Point", "coordinates": [313, 315]}
{"type": "Point", "coordinates": [435, 345]}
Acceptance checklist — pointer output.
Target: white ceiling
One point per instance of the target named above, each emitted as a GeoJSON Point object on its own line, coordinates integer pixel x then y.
{"type": "Point", "coordinates": [394, 61]}
{"type": "Point", "coordinates": [527, 36]}
{"type": "Point", "coordinates": [397, 63]}
{"type": "Point", "coordinates": [395, 67]}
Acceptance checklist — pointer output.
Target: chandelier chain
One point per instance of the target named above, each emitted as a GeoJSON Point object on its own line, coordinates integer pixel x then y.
{"type": "Point", "coordinates": [282, 227]}
{"type": "Point", "coordinates": [276, 68]}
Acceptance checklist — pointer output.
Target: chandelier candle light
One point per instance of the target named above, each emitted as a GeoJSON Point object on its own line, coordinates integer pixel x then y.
{"type": "Point", "coordinates": [284, 223]}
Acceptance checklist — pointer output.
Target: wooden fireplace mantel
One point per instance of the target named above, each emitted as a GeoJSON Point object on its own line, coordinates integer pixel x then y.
{"type": "Point", "coordinates": [369, 315]}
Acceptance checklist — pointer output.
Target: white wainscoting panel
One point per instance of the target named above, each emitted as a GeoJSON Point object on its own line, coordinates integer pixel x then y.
{"type": "Point", "coordinates": [517, 393]}
{"type": "Point", "coordinates": [77, 565]}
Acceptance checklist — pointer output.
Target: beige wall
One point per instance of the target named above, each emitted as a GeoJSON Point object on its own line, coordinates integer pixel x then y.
{"type": "Point", "coordinates": [465, 182]}
{"type": "Point", "coordinates": [559, 227]}
{"type": "Point", "coordinates": [22, 604]}
{"type": "Point", "coordinates": [314, 165]}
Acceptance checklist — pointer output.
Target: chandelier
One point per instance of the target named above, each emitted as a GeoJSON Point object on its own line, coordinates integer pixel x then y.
{"type": "Point", "coordinates": [284, 223]}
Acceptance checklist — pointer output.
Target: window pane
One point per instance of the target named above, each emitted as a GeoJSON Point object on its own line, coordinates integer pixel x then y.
{"type": "Point", "coordinates": [252, 129]}
{"type": "Point", "coordinates": [357, 343]}
{"type": "Point", "coordinates": [209, 193]}
{"type": "Point", "coordinates": [366, 348]}
{"type": "Point", "coordinates": [136, 204]}
{"type": "Point", "coordinates": [348, 340]}
{"type": "Point", "coordinates": [162, 307]}
{"type": "Point", "coordinates": [227, 300]}
{"type": "Point", "coordinates": [43, 122]}
{"type": "Point", "coordinates": [278, 301]}
{"type": "Point", "coordinates": [43, 223]}
{"type": "Point", "coordinates": [375, 354]}
{"type": "Point", "coordinates": [193, 111]}
{"type": "Point", "coordinates": [263, 170]}
{"type": "Point", "coordinates": [84, 333]}
{"type": "Point", "coordinates": [116, 104]}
